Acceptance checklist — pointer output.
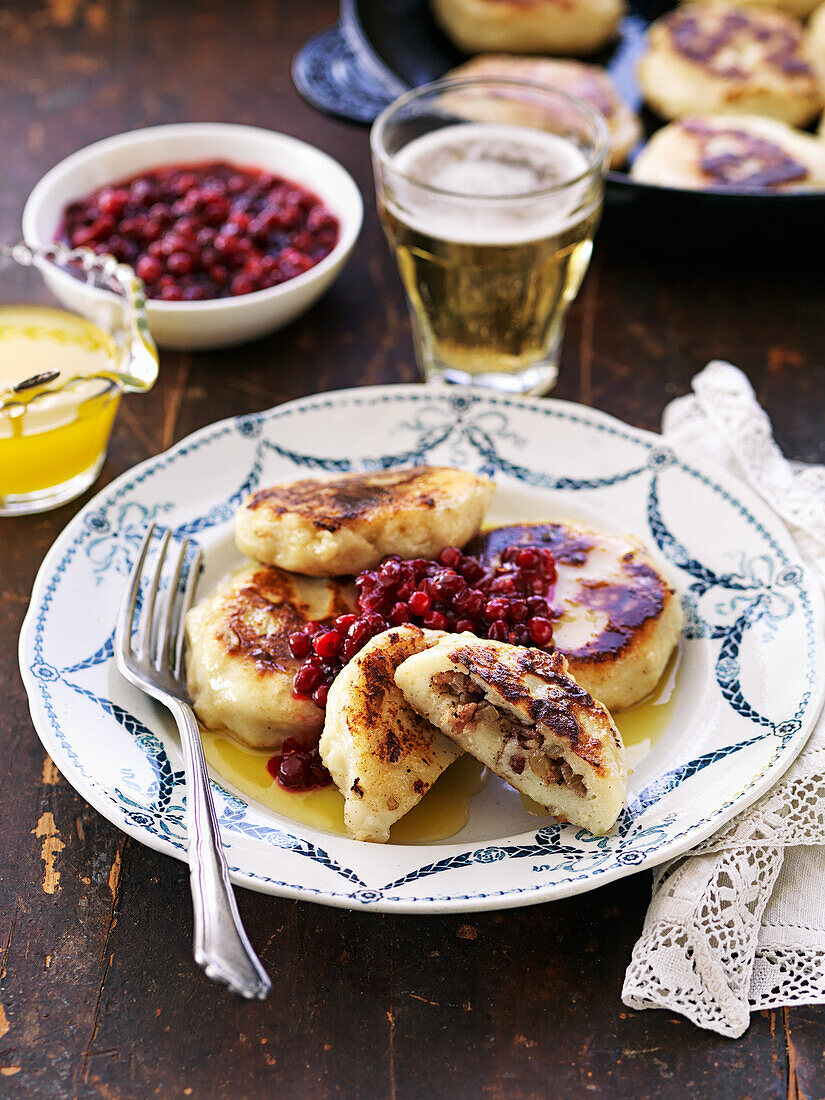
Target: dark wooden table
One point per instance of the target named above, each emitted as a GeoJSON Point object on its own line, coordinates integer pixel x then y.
{"type": "Point", "coordinates": [99, 993]}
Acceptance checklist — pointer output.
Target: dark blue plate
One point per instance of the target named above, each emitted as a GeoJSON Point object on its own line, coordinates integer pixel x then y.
{"type": "Point", "coordinates": [381, 48]}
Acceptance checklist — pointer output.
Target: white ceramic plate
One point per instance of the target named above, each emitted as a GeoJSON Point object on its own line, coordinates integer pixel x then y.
{"type": "Point", "coordinates": [751, 680]}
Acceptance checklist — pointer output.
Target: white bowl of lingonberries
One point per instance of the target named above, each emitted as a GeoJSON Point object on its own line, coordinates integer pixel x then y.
{"type": "Point", "coordinates": [234, 230]}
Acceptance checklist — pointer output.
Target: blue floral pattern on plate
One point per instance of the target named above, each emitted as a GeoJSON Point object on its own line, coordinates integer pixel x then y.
{"type": "Point", "coordinates": [750, 607]}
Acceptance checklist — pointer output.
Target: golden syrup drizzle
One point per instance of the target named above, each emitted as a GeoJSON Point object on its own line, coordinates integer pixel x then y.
{"type": "Point", "coordinates": [641, 726]}
{"type": "Point", "coordinates": [38, 340]}
{"type": "Point", "coordinates": [442, 812]}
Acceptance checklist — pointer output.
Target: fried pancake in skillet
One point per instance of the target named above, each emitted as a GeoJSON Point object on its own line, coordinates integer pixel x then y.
{"type": "Point", "coordinates": [529, 26]}
{"type": "Point", "coordinates": [714, 58]}
{"type": "Point", "coordinates": [736, 152]}
{"type": "Point", "coordinates": [590, 82]}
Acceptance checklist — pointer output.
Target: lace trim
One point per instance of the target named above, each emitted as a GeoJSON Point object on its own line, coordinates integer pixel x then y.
{"type": "Point", "coordinates": [725, 422]}
{"type": "Point", "coordinates": [788, 976]}
{"type": "Point", "coordinates": [704, 950]}
{"type": "Point", "coordinates": [701, 965]}
{"type": "Point", "coordinates": [793, 813]}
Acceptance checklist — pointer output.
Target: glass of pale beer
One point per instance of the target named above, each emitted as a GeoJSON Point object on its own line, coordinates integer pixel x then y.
{"type": "Point", "coordinates": [490, 192]}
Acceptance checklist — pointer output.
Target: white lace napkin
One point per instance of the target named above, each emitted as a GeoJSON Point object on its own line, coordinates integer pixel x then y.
{"type": "Point", "coordinates": [738, 923]}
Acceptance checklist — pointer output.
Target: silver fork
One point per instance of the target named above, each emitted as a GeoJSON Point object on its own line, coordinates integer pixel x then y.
{"type": "Point", "coordinates": [151, 657]}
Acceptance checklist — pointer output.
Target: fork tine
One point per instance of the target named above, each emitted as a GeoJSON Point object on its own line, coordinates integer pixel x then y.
{"type": "Point", "coordinates": [169, 622]}
{"type": "Point", "coordinates": [147, 615]}
{"type": "Point", "coordinates": [186, 602]}
{"type": "Point", "coordinates": [123, 632]}
{"type": "Point", "coordinates": [221, 944]}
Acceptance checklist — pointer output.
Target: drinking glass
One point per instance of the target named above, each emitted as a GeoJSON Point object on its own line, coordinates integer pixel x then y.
{"type": "Point", "coordinates": [489, 192]}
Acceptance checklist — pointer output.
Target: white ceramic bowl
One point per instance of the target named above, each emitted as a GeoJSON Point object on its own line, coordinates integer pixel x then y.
{"type": "Point", "coordinates": [221, 321]}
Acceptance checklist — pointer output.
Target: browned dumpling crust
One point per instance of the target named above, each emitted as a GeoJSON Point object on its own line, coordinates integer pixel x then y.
{"type": "Point", "coordinates": [732, 152]}
{"type": "Point", "coordinates": [576, 27]}
{"type": "Point", "coordinates": [344, 524]}
{"type": "Point", "coordinates": [715, 58]}
{"type": "Point", "coordinates": [239, 671]}
{"type": "Point", "coordinates": [590, 82]}
{"type": "Point", "coordinates": [383, 755]}
{"type": "Point", "coordinates": [520, 713]}
{"type": "Point", "coordinates": [616, 618]}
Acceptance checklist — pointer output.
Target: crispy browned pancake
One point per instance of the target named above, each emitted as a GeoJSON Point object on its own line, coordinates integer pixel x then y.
{"type": "Point", "coordinates": [590, 82]}
{"type": "Point", "coordinates": [239, 668]}
{"type": "Point", "coordinates": [616, 617]}
{"type": "Point", "coordinates": [574, 27]}
{"type": "Point", "coordinates": [518, 711]}
{"type": "Point", "coordinates": [350, 522]}
{"type": "Point", "coordinates": [735, 152]}
{"type": "Point", "coordinates": [713, 57]}
{"type": "Point", "coordinates": [382, 754]}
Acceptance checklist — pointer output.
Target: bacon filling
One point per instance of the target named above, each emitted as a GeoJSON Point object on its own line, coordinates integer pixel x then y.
{"type": "Point", "coordinates": [470, 704]}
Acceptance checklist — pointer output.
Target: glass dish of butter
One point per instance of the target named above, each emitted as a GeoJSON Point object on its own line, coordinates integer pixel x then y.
{"type": "Point", "coordinates": [62, 376]}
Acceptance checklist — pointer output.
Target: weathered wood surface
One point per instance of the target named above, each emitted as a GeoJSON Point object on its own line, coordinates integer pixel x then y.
{"type": "Point", "coordinates": [98, 995]}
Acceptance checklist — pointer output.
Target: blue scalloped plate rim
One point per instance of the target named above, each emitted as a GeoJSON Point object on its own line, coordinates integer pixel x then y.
{"type": "Point", "coordinates": [772, 595]}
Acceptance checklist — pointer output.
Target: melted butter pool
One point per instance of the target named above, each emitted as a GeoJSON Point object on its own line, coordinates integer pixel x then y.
{"type": "Point", "coordinates": [445, 809]}
{"type": "Point", "coordinates": [442, 812]}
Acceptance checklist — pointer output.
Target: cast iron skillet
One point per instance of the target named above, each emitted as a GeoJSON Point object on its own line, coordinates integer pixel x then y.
{"type": "Point", "coordinates": [380, 48]}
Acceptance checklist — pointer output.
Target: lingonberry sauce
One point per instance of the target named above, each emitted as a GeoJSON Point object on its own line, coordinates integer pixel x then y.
{"type": "Point", "coordinates": [455, 592]}
{"type": "Point", "coordinates": [203, 231]}
{"type": "Point", "coordinates": [298, 767]}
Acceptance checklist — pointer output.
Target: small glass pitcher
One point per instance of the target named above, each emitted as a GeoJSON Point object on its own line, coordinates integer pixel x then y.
{"type": "Point", "coordinates": [55, 424]}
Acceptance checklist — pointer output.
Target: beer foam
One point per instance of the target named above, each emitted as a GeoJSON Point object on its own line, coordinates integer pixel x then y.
{"type": "Point", "coordinates": [488, 162]}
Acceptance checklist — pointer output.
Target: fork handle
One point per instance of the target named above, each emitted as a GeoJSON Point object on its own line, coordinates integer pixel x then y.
{"type": "Point", "coordinates": [221, 944]}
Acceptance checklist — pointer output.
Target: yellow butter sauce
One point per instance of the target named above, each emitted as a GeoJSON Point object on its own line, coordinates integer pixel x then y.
{"type": "Point", "coordinates": [56, 429]}
{"type": "Point", "coordinates": [642, 726]}
{"type": "Point", "coordinates": [442, 812]}
{"type": "Point", "coordinates": [445, 809]}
